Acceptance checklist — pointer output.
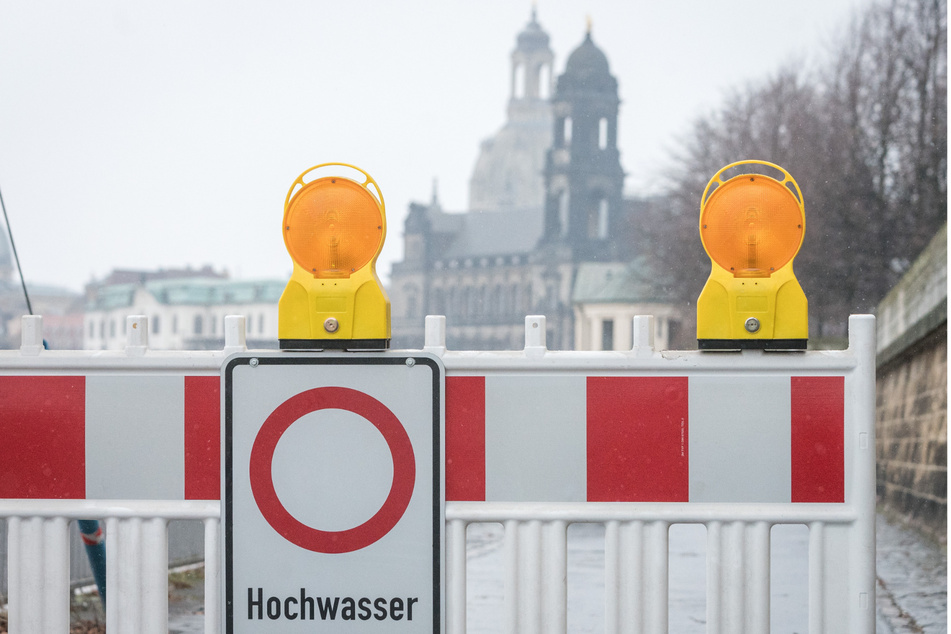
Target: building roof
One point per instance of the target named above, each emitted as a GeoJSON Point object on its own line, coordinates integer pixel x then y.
{"type": "Point", "coordinates": [587, 70]}
{"type": "Point", "coordinates": [532, 36]}
{"type": "Point", "coordinates": [619, 283]}
{"type": "Point", "coordinates": [484, 233]}
{"type": "Point", "coordinates": [509, 171]}
{"type": "Point", "coordinates": [190, 292]}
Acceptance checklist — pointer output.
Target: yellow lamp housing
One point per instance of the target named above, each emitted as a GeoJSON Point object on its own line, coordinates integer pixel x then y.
{"type": "Point", "coordinates": [334, 227]}
{"type": "Point", "coordinates": [752, 226]}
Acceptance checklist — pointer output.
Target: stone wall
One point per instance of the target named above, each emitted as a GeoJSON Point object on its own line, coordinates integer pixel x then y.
{"type": "Point", "coordinates": [912, 434]}
{"type": "Point", "coordinates": [912, 396]}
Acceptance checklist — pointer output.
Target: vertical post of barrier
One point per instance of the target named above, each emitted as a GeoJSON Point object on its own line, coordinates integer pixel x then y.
{"type": "Point", "coordinates": [39, 574]}
{"type": "Point", "coordinates": [456, 574]}
{"type": "Point", "coordinates": [535, 336]}
{"type": "Point", "coordinates": [643, 336]}
{"type": "Point", "coordinates": [212, 575]}
{"type": "Point", "coordinates": [154, 536]}
{"type": "Point", "coordinates": [758, 590]}
{"type": "Point", "coordinates": [235, 334]}
{"type": "Point", "coordinates": [656, 563]}
{"type": "Point", "coordinates": [435, 338]}
{"type": "Point", "coordinates": [862, 550]}
{"type": "Point", "coordinates": [137, 335]}
{"type": "Point", "coordinates": [512, 589]}
{"type": "Point", "coordinates": [555, 577]}
{"type": "Point", "coordinates": [614, 588]}
{"type": "Point", "coordinates": [817, 608]}
{"type": "Point", "coordinates": [31, 335]}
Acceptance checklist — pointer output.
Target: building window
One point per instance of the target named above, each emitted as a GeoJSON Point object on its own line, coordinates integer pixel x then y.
{"type": "Point", "coordinates": [92, 330]}
{"type": "Point", "coordinates": [411, 293]}
{"type": "Point", "coordinates": [598, 220]}
{"type": "Point", "coordinates": [567, 131]}
{"type": "Point", "coordinates": [112, 328]}
{"type": "Point", "coordinates": [603, 219]}
{"type": "Point", "coordinates": [518, 81]}
{"type": "Point", "coordinates": [563, 212]}
{"type": "Point", "coordinates": [198, 325]}
{"type": "Point", "coordinates": [544, 81]}
{"type": "Point", "coordinates": [472, 301]}
{"type": "Point", "coordinates": [174, 324]}
{"type": "Point", "coordinates": [603, 133]}
{"type": "Point", "coordinates": [607, 334]}
{"type": "Point", "coordinates": [156, 325]}
{"type": "Point", "coordinates": [455, 301]}
{"type": "Point", "coordinates": [261, 324]}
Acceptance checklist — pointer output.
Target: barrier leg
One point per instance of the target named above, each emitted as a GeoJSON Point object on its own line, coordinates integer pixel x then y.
{"type": "Point", "coordinates": [456, 576]}
{"type": "Point", "coordinates": [38, 572]}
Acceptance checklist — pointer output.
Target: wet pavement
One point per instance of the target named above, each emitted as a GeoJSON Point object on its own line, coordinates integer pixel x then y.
{"type": "Point", "coordinates": [911, 592]}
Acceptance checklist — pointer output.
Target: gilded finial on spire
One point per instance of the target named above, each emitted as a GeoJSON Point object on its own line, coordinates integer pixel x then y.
{"type": "Point", "coordinates": [588, 20]}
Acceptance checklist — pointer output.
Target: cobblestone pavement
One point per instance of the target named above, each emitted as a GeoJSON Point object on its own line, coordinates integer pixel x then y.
{"type": "Point", "coordinates": [912, 591]}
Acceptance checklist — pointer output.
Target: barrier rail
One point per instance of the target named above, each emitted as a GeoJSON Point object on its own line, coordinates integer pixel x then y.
{"type": "Point", "coordinates": [637, 441]}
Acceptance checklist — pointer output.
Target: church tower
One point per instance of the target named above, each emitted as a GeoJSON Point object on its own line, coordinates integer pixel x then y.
{"type": "Point", "coordinates": [508, 174]}
{"type": "Point", "coordinates": [583, 175]}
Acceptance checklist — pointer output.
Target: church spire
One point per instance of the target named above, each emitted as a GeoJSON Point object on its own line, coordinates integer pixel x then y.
{"type": "Point", "coordinates": [531, 63]}
{"type": "Point", "coordinates": [583, 175]}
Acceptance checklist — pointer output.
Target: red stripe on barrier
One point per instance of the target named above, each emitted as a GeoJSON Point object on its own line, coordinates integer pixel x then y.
{"type": "Point", "coordinates": [465, 438]}
{"type": "Point", "coordinates": [42, 423]}
{"type": "Point", "coordinates": [637, 439]}
{"type": "Point", "coordinates": [202, 438]}
{"type": "Point", "coordinates": [818, 438]}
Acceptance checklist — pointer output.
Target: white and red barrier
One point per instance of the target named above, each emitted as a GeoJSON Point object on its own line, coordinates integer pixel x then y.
{"type": "Point", "coordinates": [535, 439]}
{"type": "Point", "coordinates": [621, 438]}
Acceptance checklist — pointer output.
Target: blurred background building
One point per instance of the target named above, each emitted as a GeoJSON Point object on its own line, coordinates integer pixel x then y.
{"type": "Point", "coordinates": [548, 230]}
{"type": "Point", "coordinates": [186, 308]}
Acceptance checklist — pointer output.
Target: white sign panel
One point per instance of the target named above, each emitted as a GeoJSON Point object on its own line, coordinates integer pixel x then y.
{"type": "Point", "coordinates": [333, 492]}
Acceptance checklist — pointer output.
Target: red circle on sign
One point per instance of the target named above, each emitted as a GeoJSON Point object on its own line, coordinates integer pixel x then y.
{"type": "Point", "coordinates": [401, 490]}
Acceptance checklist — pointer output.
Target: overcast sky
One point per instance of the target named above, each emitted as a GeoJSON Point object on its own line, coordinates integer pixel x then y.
{"type": "Point", "coordinates": [166, 134]}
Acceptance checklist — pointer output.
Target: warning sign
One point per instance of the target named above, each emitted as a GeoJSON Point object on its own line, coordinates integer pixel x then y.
{"type": "Point", "coordinates": [333, 492]}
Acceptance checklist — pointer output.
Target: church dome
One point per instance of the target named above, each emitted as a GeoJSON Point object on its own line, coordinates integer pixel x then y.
{"type": "Point", "coordinates": [587, 68]}
{"type": "Point", "coordinates": [532, 37]}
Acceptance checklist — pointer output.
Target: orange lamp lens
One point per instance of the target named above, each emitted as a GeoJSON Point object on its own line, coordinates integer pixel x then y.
{"type": "Point", "coordinates": [751, 226]}
{"type": "Point", "coordinates": [333, 227]}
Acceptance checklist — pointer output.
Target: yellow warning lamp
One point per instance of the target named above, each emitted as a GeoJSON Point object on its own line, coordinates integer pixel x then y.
{"type": "Point", "coordinates": [334, 229]}
{"type": "Point", "coordinates": [752, 226]}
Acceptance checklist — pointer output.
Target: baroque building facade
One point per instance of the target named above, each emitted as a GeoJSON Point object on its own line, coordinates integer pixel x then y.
{"type": "Point", "coordinates": [186, 309]}
{"type": "Point", "coordinates": [546, 216]}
